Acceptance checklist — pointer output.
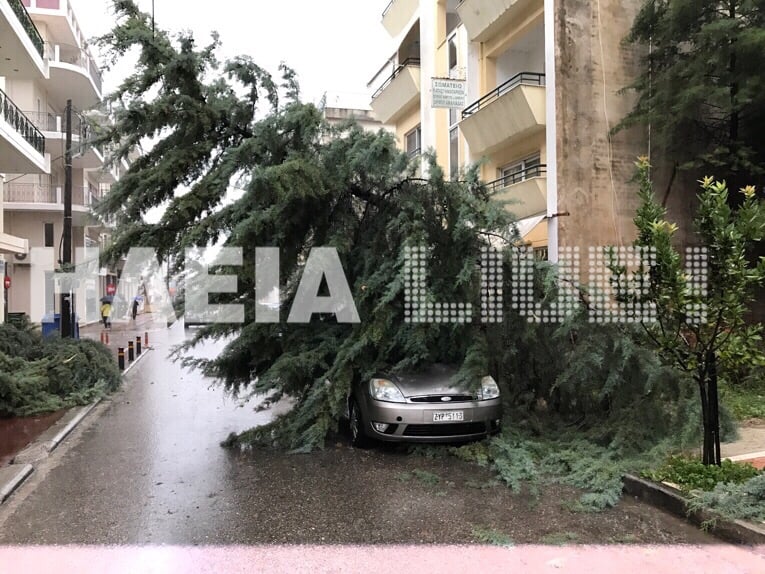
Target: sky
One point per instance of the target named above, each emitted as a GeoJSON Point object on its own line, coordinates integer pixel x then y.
{"type": "Point", "coordinates": [335, 46]}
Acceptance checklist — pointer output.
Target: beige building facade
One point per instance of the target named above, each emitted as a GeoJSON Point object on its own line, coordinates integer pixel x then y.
{"type": "Point", "coordinates": [45, 61]}
{"type": "Point", "coordinates": [540, 80]}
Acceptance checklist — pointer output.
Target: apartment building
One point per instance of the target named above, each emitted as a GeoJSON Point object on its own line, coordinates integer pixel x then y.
{"type": "Point", "coordinates": [45, 61]}
{"type": "Point", "coordinates": [365, 119]}
{"type": "Point", "coordinates": [532, 94]}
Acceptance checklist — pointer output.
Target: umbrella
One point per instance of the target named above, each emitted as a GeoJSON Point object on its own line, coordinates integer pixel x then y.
{"type": "Point", "coordinates": [107, 298]}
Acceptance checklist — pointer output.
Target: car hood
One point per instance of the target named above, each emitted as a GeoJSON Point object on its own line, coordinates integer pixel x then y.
{"type": "Point", "coordinates": [435, 380]}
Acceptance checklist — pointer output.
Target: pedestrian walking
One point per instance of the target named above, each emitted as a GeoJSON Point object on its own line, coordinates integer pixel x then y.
{"type": "Point", "coordinates": [135, 307]}
{"type": "Point", "coordinates": [106, 313]}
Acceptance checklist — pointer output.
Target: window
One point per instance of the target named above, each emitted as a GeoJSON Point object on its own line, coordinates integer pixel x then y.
{"type": "Point", "coordinates": [520, 170]}
{"type": "Point", "coordinates": [413, 142]}
{"type": "Point", "coordinates": [453, 61]}
{"type": "Point", "coordinates": [48, 233]}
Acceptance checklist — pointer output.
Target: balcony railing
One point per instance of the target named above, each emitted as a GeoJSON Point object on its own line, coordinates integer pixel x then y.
{"type": "Point", "coordinates": [43, 121]}
{"type": "Point", "coordinates": [48, 193]}
{"type": "Point", "coordinates": [30, 193]}
{"type": "Point", "coordinates": [48, 122]}
{"type": "Point", "coordinates": [29, 26]}
{"type": "Point", "coordinates": [388, 7]}
{"type": "Point", "coordinates": [528, 78]}
{"type": "Point", "coordinates": [20, 123]}
{"type": "Point", "coordinates": [68, 54]}
{"type": "Point", "coordinates": [517, 177]}
{"type": "Point", "coordinates": [408, 62]}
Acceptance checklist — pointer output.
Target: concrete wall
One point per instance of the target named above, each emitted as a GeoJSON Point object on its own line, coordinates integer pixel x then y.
{"type": "Point", "coordinates": [591, 66]}
{"type": "Point", "coordinates": [528, 55]}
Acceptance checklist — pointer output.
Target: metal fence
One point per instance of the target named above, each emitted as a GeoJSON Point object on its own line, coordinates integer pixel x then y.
{"type": "Point", "coordinates": [14, 117]}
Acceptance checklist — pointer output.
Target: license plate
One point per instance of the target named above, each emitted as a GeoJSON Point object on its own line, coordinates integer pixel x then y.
{"type": "Point", "coordinates": [448, 416]}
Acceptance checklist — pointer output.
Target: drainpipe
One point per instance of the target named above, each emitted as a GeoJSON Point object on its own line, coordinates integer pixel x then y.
{"type": "Point", "coordinates": [551, 133]}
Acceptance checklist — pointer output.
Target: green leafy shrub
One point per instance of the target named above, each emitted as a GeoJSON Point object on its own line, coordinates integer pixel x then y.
{"type": "Point", "coordinates": [745, 401]}
{"type": "Point", "coordinates": [743, 501]}
{"type": "Point", "coordinates": [23, 340]}
{"type": "Point", "coordinates": [690, 473]}
{"type": "Point", "coordinates": [41, 375]}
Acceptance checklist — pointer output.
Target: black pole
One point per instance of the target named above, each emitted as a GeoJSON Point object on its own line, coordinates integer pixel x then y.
{"type": "Point", "coordinates": [66, 257]}
{"type": "Point", "coordinates": [131, 352]}
{"type": "Point", "coordinates": [121, 358]}
{"type": "Point", "coordinates": [138, 346]}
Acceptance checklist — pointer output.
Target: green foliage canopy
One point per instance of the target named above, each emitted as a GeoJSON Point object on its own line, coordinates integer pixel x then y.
{"type": "Point", "coordinates": [299, 184]}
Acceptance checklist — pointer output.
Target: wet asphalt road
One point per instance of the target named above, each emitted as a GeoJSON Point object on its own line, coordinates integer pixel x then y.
{"type": "Point", "coordinates": [148, 469]}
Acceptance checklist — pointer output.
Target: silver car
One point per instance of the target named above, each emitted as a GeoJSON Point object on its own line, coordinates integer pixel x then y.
{"type": "Point", "coordinates": [422, 407]}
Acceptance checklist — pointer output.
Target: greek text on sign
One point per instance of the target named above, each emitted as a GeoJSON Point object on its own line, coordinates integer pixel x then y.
{"type": "Point", "coordinates": [449, 93]}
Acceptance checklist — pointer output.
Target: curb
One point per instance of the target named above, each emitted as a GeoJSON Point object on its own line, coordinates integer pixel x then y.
{"type": "Point", "coordinates": [39, 450]}
{"type": "Point", "coordinates": [144, 352]}
{"type": "Point", "coordinates": [673, 501]}
{"type": "Point", "coordinates": [15, 481]}
{"type": "Point", "coordinates": [51, 445]}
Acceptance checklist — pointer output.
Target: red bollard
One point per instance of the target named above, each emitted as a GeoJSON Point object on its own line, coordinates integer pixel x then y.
{"type": "Point", "coordinates": [145, 338]}
{"type": "Point", "coordinates": [102, 338]}
{"type": "Point", "coordinates": [106, 337]}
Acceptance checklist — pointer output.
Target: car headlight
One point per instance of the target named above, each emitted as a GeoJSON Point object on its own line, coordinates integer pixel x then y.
{"type": "Point", "coordinates": [385, 390]}
{"type": "Point", "coordinates": [489, 389]}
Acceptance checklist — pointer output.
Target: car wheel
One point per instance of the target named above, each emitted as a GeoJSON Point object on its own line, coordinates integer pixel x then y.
{"type": "Point", "coordinates": [359, 439]}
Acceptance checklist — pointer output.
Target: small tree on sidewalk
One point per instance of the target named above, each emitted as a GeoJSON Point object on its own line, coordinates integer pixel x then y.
{"type": "Point", "coordinates": [701, 330]}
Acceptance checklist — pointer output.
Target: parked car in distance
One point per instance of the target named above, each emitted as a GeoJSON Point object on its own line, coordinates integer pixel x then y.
{"type": "Point", "coordinates": [424, 406]}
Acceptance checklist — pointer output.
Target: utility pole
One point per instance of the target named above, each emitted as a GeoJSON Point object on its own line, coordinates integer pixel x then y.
{"type": "Point", "coordinates": [66, 257]}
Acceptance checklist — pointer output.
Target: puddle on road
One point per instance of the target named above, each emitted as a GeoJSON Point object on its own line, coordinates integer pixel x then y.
{"type": "Point", "coordinates": [18, 432]}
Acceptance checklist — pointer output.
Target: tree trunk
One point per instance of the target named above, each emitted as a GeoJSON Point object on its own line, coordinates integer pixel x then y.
{"type": "Point", "coordinates": [710, 412]}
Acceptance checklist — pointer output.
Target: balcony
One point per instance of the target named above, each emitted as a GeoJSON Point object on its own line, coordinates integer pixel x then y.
{"type": "Point", "coordinates": [483, 19]}
{"type": "Point", "coordinates": [398, 14]}
{"type": "Point", "coordinates": [53, 127]}
{"type": "Point", "coordinates": [525, 191]}
{"type": "Point", "coordinates": [22, 145]}
{"type": "Point", "coordinates": [398, 93]}
{"type": "Point", "coordinates": [512, 111]}
{"type": "Point", "coordinates": [59, 18]}
{"type": "Point", "coordinates": [10, 244]}
{"type": "Point", "coordinates": [73, 74]}
{"type": "Point", "coordinates": [42, 197]}
{"type": "Point", "coordinates": [21, 48]}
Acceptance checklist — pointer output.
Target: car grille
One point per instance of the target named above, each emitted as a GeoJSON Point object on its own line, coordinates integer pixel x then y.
{"type": "Point", "coordinates": [439, 399]}
{"type": "Point", "coordinates": [453, 429]}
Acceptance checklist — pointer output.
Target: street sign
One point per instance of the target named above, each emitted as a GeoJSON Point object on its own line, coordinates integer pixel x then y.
{"type": "Point", "coordinates": [111, 289]}
{"type": "Point", "coordinates": [7, 282]}
{"type": "Point", "coordinates": [449, 93]}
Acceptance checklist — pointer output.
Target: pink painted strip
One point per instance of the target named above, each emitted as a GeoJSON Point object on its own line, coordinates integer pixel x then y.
{"type": "Point", "coordinates": [720, 559]}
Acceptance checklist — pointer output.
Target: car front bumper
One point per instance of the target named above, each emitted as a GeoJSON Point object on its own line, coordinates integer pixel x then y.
{"type": "Point", "coordinates": [414, 422]}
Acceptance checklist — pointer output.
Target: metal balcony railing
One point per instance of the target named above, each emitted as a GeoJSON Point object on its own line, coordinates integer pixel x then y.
{"type": "Point", "coordinates": [81, 130]}
{"type": "Point", "coordinates": [388, 7]}
{"type": "Point", "coordinates": [43, 121]}
{"type": "Point", "coordinates": [30, 193]}
{"type": "Point", "coordinates": [21, 123]}
{"type": "Point", "coordinates": [29, 26]}
{"type": "Point", "coordinates": [528, 78]}
{"type": "Point", "coordinates": [76, 56]}
{"type": "Point", "coordinates": [15, 192]}
{"type": "Point", "coordinates": [517, 177]}
{"type": "Point", "coordinates": [415, 62]}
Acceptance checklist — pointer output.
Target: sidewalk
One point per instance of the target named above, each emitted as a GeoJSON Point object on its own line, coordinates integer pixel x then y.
{"type": "Point", "coordinates": [122, 332]}
{"type": "Point", "coordinates": [750, 447]}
